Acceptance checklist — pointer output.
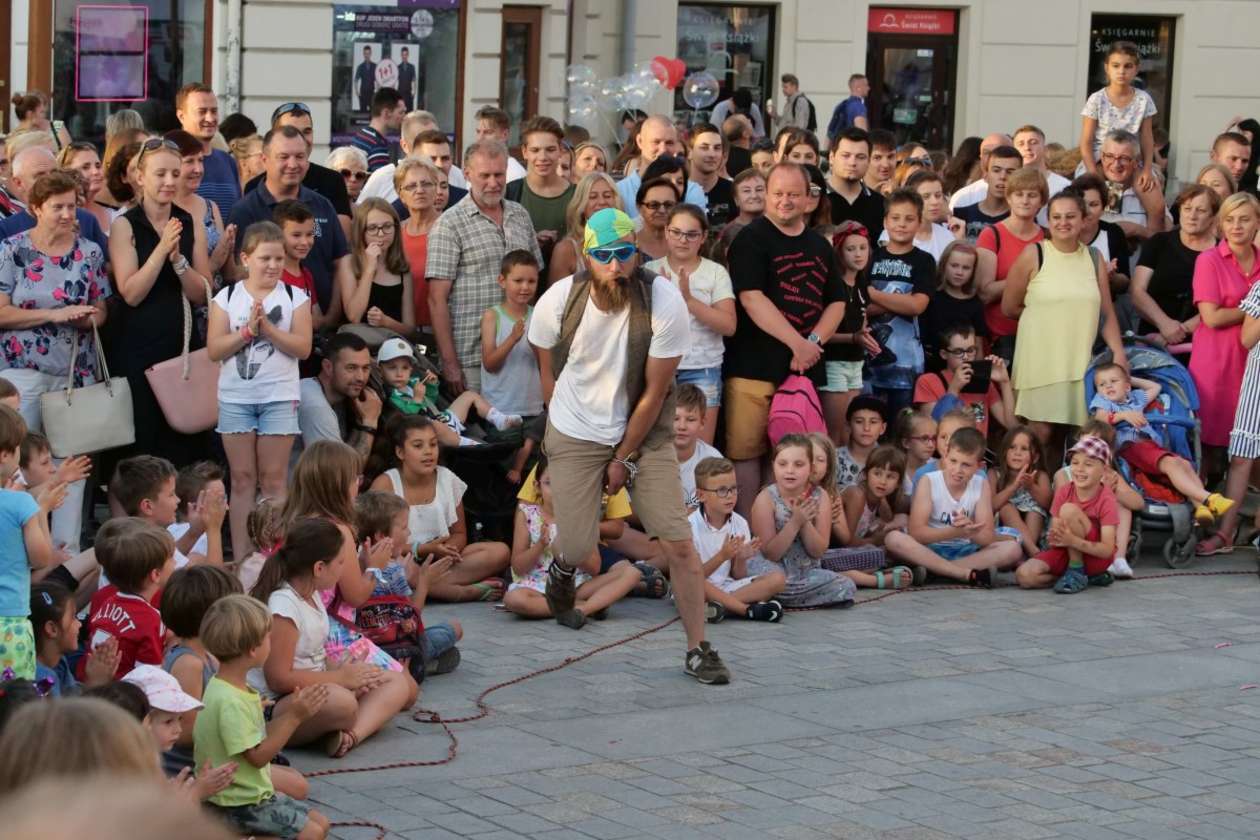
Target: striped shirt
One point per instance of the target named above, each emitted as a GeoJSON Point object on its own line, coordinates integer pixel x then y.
{"type": "Point", "coordinates": [222, 181]}
{"type": "Point", "coordinates": [373, 144]}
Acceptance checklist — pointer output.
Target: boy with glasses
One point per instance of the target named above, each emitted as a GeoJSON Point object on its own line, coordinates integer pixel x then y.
{"type": "Point", "coordinates": [939, 393]}
{"type": "Point", "coordinates": [725, 544]}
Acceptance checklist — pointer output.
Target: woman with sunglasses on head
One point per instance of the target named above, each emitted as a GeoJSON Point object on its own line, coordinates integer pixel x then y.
{"type": "Point", "coordinates": [656, 199]}
{"type": "Point", "coordinates": [158, 253]}
{"type": "Point", "coordinates": [220, 241]}
{"type": "Point", "coordinates": [352, 164]}
{"type": "Point", "coordinates": [381, 275]}
{"type": "Point", "coordinates": [83, 158]}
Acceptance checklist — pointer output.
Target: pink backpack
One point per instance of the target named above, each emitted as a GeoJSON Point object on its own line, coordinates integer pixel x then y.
{"type": "Point", "coordinates": [795, 410]}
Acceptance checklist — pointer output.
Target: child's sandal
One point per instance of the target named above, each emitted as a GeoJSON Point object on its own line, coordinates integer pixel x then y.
{"type": "Point", "coordinates": [340, 742]}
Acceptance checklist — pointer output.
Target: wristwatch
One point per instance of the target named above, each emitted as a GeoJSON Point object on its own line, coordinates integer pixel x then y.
{"type": "Point", "coordinates": [813, 338]}
{"type": "Point", "coordinates": [180, 265]}
{"type": "Point", "coordinates": [360, 427]}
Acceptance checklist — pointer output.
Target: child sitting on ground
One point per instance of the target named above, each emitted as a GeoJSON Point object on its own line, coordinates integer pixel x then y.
{"type": "Point", "coordinates": [1082, 532]}
{"type": "Point", "coordinates": [203, 505]}
{"type": "Point", "coordinates": [959, 418]}
{"type": "Point", "coordinates": [144, 487]}
{"type": "Point", "coordinates": [915, 434]}
{"type": "Point", "coordinates": [1129, 501]}
{"type": "Point", "coordinates": [951, 519]}
{"type": "Point", "coordinates": [56, 625]}
{"type": "Point", "coordinates": [690, 405]}
{"type": "Point", "coordinates": [380, 516]}
{"type": "Point", "coordinates": [417, 395]}
{"type": "Point", "coordinates": [231, 727]}
{"type": "Point", "coordinates": [139, 557]}
{"type": "Point", "coordinates": [1021, 487]}
{"type": "Point", "coordinates": [1141, 444]}
{"type": "Point", "coordinates": [870, 511]}
{"type": "Point", "coordinates": [534, 532]}
{"type": "Point", "coordinates": [867, 418]}
{"type": "Point", "coordinates": [266, 530]}
{"type": "Point", "coordinates": [725, 545]}
{"type": "Point", "coordinates": [822, 474]}
{"type": "Point", "coordinates": [792, 519]}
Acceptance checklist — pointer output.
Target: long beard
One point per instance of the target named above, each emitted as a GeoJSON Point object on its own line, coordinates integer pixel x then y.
{"type": "Point", "coordinates": [611, 295]}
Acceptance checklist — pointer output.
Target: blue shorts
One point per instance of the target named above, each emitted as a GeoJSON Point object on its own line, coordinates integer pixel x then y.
{"type": "Point", "coordinates": [843, 376]}
{"type": "Point", "coordinates": [269, 418]}
{"type": "Point", "coordinates": [954, 550]}
{"type": "Point", "coordinates": [708, 380]}
{"type": "Point", "coordinates": [437, 639]}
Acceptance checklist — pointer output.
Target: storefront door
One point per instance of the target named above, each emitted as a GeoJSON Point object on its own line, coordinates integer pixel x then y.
{"type": "Point", "coordinates": [518, 72]}
{"type": "Point", "coordinates": [911, 62]}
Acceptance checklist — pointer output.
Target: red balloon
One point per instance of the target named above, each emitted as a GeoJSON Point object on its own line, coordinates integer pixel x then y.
{"type": "Point", "coordinates": [669, 71]}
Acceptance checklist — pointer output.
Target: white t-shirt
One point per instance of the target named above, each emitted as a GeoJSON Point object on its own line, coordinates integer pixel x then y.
{"type": "Point", "coordinates": [434, 520]}
{"type": "Point", "coordinates": [312, 626]}
{"type": "Point", "coordinates": [687, 471]}
{"type": "Point", "coordinates": [590, 400]}
{"type": "Point", "coordinates": [708, 541]}
{"type": "Point", "coordinates": [1109, 117]}
{"type": "Point", "coordinates": [941, 237]}
{"type": "Point", "coordinates": [977, 191]}
{"type": "Point", "coordinates": [259, 372]}
{"type": "Point", "coordinates": [201, 546]}
{"type": "Point", "coordinates": [709, 284]}
{"type": "Point", "coordinates": [380, 184]}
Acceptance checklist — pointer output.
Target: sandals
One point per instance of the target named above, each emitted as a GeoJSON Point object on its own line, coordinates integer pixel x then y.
{"type": "Point", "coordinates": [654, 582]}
{"type": "Point", "coordinates": [490, 589]}
{"type": "Point", "coordinates": [1213, 545]}
{"type": "Point", "coordinates": [339, 742]}
{"type": "Point", "coordinates": [898, 577]}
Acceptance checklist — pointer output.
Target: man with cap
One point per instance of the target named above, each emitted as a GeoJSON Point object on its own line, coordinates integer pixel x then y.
{"type": "Point", "coordinates": [609, 339]}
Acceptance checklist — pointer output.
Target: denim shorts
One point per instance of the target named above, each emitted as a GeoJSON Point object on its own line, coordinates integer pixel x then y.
{"type": "Point", "coordinates": [708, 380]}
{"type": "Point", "coordinates": [954, 549]}
{"type": "Point", "coordinates": [269, 418]}
{"type": "Point", "coordinates": [843, 376]}
{"type": "Point", "coordinates": [275, 816]}
{"type": "Point", "coordinates": [437, 639]}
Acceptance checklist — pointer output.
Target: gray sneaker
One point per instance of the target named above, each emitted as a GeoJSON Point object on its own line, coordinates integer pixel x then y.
{"type": "Point", "coordinates": [560, 592]}
{"type": "Point", "coordinates": [706, 666]}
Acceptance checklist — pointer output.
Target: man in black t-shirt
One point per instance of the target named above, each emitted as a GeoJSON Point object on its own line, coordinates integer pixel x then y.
{"type": "Point", "coordinates": [705, 169]}
{"type": "Point", "coordinates": [790, 301]}
{"type": "Point", "coordinates": [851, 200]}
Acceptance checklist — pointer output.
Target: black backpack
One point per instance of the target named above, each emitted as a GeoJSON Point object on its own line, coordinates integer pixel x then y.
{"type": "Point", "coordinates": [812, 125]}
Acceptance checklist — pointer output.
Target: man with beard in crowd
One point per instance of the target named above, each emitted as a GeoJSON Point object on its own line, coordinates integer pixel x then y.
{"type": "Point", "coordinates": [609, 339]}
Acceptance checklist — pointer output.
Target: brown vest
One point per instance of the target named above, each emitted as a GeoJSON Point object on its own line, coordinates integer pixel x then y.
{"type": "Point", "coordinates": [638, 343]}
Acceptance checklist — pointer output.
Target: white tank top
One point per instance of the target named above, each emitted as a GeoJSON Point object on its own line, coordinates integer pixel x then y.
{"type": "Point", "coordinates": [944, 505]}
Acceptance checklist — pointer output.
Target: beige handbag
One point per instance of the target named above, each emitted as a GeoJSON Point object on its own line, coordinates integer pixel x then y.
{"type": "Point", "coordinates": [91, 418]}
{"type": "Point", "coordinates": [187, 386]}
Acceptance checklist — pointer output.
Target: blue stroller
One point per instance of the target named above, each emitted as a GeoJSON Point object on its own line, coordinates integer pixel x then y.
{"type": "Point", "coordinates": [1175, 415]}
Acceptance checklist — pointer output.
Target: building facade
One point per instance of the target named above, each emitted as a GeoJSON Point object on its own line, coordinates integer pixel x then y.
{"type": "Point", "coordinates": [939, 70]}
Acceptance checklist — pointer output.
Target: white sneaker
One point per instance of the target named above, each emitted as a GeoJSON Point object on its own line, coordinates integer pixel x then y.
{"type": "Point", "coordinates": [1120, 568]}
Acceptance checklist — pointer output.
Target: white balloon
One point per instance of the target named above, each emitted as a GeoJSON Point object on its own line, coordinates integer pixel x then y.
{"type": "Point", "coordinates": [700, 90]}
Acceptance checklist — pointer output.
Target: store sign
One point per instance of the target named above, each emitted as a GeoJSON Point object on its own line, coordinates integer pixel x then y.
{"type": "Point", "coordinates": [910, 21]}
{"type": "Point", "coordinates": [111, 47]}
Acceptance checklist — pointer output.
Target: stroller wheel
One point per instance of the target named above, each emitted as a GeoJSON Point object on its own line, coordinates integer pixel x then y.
{"type": "Point", "coordinates": [1178, 556]}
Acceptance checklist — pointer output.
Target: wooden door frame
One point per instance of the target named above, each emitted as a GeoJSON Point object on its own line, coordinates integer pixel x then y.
{"type": "Point", "coordinates": [531, 16]}
{"type": "Point", "coordinates": [6, 57]}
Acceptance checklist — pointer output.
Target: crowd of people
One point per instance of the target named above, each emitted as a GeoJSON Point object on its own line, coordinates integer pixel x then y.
{"type": "Point", "coordinates": [733, 363]}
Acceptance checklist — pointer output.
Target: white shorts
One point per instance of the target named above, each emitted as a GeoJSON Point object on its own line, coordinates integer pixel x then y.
{"type": "Point", "coordinates": [731, 584]}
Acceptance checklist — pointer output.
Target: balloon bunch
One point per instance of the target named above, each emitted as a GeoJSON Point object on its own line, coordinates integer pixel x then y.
{"type": "Point", "coordinates": [591, 98]}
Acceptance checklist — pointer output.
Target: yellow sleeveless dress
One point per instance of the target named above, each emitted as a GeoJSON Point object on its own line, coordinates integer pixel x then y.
{"type": "Point", "coordinates": [1056, 336]}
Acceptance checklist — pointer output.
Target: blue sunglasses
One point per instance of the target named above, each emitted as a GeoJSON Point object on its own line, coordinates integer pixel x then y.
{"type": "Point", "coordinates": [620, 253]}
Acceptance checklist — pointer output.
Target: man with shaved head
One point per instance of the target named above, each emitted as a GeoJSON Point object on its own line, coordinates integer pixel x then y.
{"type": "Point", "coordinates": [975, 192]}
{"type": "Point", "coordinates": [656, 137]}
{"type": "Point", "coordinates": [28, 166]}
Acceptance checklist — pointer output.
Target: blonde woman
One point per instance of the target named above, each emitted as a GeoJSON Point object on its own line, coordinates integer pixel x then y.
{"type": "Point", "coordinates": [381, 278]}
{"type": "Point", "coordinates": [417, 181]}
{"type": "Point", "coordinates": [248, 153]}
{"type": "Point", "coordinates": [83, 158]}
{"type": "Point", "coordinates": [594, 192]}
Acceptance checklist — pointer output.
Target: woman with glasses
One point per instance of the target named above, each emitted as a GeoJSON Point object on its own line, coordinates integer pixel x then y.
{"type": "Point", "coordinates": [656, 199]}
{"type": "Point", "coordinates": [416, 181]}
{"type": "Point", "coordinates": [817, 206]}
{"type": "Point", "coordinates": [352, 164]}
{"type": "Point", "coordinates": [158, 254]}
{"type": "Point", "coordinates": [381, 278]}
{"type": "Point", "coordinates": [593, 193]}
{"type": "Point", "coordinates": [220, 241]}
{"type": "Point", "coordinates": [707, 291]}
{"type": "Point", "coordinates": [83, 158]}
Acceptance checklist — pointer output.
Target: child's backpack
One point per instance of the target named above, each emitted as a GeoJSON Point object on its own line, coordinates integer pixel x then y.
{"type": "Point", "coordinates": [795, 410]}
{"type": "Point", "coordinates": [393, 624]}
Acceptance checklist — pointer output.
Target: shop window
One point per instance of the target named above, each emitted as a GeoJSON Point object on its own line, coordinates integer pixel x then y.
{"type": "Point", "coordinates": [1154, 39]}
{"type": "Point", "coordinates": [415, 50]}
{"type": "Point", "coordinates": [132, 55]}
{"type": "Point", "coordinates": [735, 43]}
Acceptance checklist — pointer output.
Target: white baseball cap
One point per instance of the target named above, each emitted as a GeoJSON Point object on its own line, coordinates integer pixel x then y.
{"type": "Point", "coordinates": [395, 348]}
{"type": "Point", "coordinates": [162, 690]}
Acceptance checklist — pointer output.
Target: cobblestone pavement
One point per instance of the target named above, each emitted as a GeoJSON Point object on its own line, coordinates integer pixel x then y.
{"type": "Point", "coordinates": [1011, 715]}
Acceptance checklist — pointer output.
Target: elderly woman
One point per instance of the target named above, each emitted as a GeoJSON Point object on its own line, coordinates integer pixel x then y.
{"type": "Point", "coordinates": [1058, 291]}
{"type": "Point", "coordinates": [53, 287]}
{"type": "Point", "coordinates": [1223, 276]}
{"type": "Point", "coordinates": [220, 240]}
{"type": "Point", "coordinates": [83, 158]}
{"type": "Point", "coordinates": [655, 199]}
{"type": "Point", "coordinates": [416, 181]}
{"type": "Point", "coordinates": [352, 164]}
{"type": "Point", "coordinates": [593, 193]}
{"type": "Point", "coordinates": [158, 253]}
{"type": "Point", "coordinates": [1162, 282]}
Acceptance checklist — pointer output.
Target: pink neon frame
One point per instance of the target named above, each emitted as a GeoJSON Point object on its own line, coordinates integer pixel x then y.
{"type": "Point", "coordinates": [78, 35]}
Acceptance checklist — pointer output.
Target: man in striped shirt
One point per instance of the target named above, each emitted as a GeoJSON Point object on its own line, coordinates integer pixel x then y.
{"type": "Point", "coordinates": [197, 109]}
{"type": "Point", "coordinates": [372, 139]}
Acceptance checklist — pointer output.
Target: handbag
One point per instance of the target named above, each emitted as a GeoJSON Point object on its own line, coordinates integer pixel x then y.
{"type": "Point", "coordinates": [91, 418]}
{"type": "Point", "coordinates": [187, 386]}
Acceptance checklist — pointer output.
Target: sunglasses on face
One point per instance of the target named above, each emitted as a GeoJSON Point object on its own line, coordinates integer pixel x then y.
{"type": "Point", "coordinates": [659, 206]}
{"type": "Point", "coordinates": [350, 175]}
{"type": "Point", "coordinates": [920, 161]}
{"type": "Point", "coordinates": [620, 253]}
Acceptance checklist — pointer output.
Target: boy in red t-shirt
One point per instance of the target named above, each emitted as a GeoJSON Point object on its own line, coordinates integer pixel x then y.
{"type": "Point", "coordinates": [959, 348]}
{"type": "Point", "coordinates": [297, 223]}
{"type": "Point", "coordinates": [138, 556]}
{"type": "Point", "coordinates": [1082, 531]}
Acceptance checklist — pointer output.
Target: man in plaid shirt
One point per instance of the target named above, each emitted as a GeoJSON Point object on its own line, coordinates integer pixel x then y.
{"type": "Point", "coordinates": [466, 246]}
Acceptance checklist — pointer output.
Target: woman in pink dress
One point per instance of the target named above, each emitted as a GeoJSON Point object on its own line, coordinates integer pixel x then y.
{"type": "Point", "coordinates": [1222, 277]}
